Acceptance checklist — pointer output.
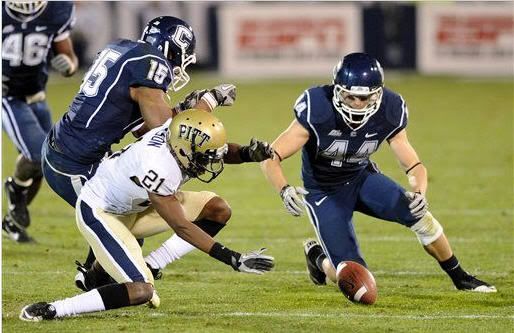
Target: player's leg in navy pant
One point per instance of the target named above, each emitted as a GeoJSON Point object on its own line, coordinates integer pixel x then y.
{"type": "Point", "coordinates": [381, 197]}
{"type": "Point", "coordinates": [26, 125]}
{"type": "Point", "coordinates": [331, 215]}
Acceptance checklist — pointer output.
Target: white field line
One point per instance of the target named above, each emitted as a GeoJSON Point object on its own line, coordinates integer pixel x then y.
{"type": "Point", "coordinates": [275, 272]}
{"type": "Point", "coordinates": [349, 315]}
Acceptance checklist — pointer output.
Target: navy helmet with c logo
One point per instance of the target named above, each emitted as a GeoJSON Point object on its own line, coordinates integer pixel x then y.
{"type": "Point", "coordinates": [176, 40]}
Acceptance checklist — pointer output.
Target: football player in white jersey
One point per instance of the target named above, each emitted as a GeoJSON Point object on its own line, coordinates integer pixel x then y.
{"type": "Point", "coordinates": [136, 194]}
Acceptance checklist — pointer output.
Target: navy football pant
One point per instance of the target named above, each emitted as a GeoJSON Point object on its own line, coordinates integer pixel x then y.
{"type": "Point", "coordinates": [26, 125]}
{"type": "Point", "coordinates": [331, 213]}
{"type": "Point", "coordinates": [65, 176]}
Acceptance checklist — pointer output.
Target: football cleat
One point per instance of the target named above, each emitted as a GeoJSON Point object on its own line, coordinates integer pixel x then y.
{"type": "Point", "coordinates": [17, 203]}
{"type": "Point", "coordinates": [471, 283]}
{"type": "Point", "coordinates": [89, 279]}
{"type": "Point", "coordinates": [313, 251]}
{"type": "Point", "coordinates": [37, 312]}
{"type": "Point", "coordinates": [156, 272]}
{"type": "Point", "coordinates": [15, 232]}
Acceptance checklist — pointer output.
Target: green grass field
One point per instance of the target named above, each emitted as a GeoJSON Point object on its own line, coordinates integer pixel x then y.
{"type": "Point", "coordinates": [461, 128]}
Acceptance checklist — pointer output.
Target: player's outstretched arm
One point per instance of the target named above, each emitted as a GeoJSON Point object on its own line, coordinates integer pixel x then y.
{"type": "Point", "coordinates": [170, 209]}
{"type": "Point", "coordinates": [287, 144]}
{"type": "Point", "coordinates": [415, 170]}
{"type": "Point", "coordinates": [256, 151]}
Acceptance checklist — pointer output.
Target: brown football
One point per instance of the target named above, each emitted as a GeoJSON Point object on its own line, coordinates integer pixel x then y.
{"type": "Point", "coordinates": [356, 282]}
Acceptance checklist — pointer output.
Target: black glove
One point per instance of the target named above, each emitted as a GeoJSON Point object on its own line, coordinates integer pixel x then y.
{"type": "Point", "coordinates": [256, 151]}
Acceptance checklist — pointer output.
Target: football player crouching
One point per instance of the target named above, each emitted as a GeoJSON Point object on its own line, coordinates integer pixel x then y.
{"type": "Point", "coordinates": [136, 194]}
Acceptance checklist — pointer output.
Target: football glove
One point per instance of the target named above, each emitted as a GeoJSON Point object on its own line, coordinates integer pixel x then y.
{"type": "Point", "coordinates": [252, 262]}
{"type": "Point", "coordinates": [221, 95]}
{"type": "Point", "coordinates": [63, 64]}
{"type": "Point", "coordinates": [418, 204]}
{"type": "Point", "coordinates": [256, 151]}
{"type": "Point", "coordinates": [292, 201]}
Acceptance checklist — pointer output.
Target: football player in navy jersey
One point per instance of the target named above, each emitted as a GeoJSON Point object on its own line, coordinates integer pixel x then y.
{"type": "Point", "coordinates": [29, 30]}
{"type": "Point", "coordinates": [125, 90]}
{"type": "Point", "coordinates": [338, 127]}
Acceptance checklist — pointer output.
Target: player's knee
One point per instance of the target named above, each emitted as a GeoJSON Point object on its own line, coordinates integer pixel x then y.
{"type": "Point", "coordinates": [139, 292]}
{"type": "Point", "coordinates": [218, 210]}
{"type": "Point", "coordinates": [428, 229]}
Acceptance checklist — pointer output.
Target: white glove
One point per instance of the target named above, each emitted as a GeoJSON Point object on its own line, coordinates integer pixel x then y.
{"type": "Point", "coordinates": [292, 201]}
{"type": "Point", "coordinates": [419, 205]}
{"type": "Point", "coordinates": [253, 262]}
{"type": "Point", "coordinates": [221, 95]}
{"type": "Point", "coordinates": [63, 64]}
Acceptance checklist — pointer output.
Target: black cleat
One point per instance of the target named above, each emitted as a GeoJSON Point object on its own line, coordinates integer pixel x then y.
{"type": "Point", "coordinates": [14, 232]}
{"type": "Point", "coordinates": [313, 251]}
{"type": "Point", "coordinates": [471, 283]}
{"type": "Point", "coordinates": [89, 279]}
{"type": "Point", "coordinates": [17, 203]}
{"type": "Point", "coordinates": [37, 312]}
{"type": "Point", "coordinates": [156, 272]}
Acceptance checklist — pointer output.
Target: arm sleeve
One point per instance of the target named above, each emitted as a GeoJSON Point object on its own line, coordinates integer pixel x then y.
{"type": "Point", "coordinates": [399, 116]}
{"type": "Point", "coordinates": [300, 109]}
{"type": "Point", "coordinates": [150, 71]}
{"type": "Point", "coordinates": [69, 23]}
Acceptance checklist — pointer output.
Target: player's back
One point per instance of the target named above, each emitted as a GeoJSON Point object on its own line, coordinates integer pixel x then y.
{"type": "Point", "coordinates": [25, 45]}
{"type": "Point", "coordinates": [103, 111]}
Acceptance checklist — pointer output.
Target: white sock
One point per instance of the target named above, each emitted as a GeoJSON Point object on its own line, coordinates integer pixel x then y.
{"type": "Point", "coordinates": [171, 250]}
{"type": "Point", "coordinates": [90, 301]}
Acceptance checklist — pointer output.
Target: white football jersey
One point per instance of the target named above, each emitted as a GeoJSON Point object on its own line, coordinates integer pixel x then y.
{"type": "Point", "coordinates": [122, 181]}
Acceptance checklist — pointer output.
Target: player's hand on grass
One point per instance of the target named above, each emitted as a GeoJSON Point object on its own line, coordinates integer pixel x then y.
{"type": "Point", "coordinates": [418, 204]}
{"type": "Point", "coordinates": [292, 198]}
{"type": "Point", "coordinates": [254, 262]}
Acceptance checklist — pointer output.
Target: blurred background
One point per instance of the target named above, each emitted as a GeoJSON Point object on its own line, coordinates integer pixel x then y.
{"type": "Point", "coordinates": [282, 39]}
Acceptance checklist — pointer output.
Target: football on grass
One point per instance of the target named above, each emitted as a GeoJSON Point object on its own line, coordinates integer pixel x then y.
{"type": "Point", "coordinates": [356, 282]}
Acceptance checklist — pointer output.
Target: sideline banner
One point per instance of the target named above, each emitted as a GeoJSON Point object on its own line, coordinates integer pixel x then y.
{"type": "Point", "coordinates": [466, 38]}
{"type": "Point", "coordinates": [267, 39]}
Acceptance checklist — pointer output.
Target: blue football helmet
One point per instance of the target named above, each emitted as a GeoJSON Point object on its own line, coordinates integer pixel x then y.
{"type": "Point", "coordinates": [358, 75]}
{"type": "Point", "coordinates": [175, 38]}
{"type": "Point", "coordinates": [25, 11]}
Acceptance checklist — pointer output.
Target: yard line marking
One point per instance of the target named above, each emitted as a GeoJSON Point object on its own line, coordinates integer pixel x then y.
{"type": "Point", "coordinates": [349, 315]}
{"type": "Point", "coordinates": [364, 238]}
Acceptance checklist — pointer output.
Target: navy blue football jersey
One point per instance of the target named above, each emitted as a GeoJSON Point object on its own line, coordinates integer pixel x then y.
{"type": "Point", "coordinates": [25, 45]}
{"type": "Point", "coordinates": [103, 112]}
{"type": "Point", "coordinates": [335, 153]}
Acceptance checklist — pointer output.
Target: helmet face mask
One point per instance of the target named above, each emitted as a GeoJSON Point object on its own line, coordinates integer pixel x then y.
{"type": "Point", "coordinates": [176, 40]}
{"type": "Point", "coordinates": [358, 88]}
{"type": "Point", "coordinates": [25, 11]}
{"type": "Point", "coordinates": [199, 143]}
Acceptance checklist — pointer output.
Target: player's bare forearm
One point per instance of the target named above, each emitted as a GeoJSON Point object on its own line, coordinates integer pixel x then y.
{"type": "Point", "coordinates": [233, 155]}
{"type": "Point", "coordinates": [418, 179]}
{"type": "Point", "coordinates": [154, 109]}
{"type": "Point", "coordinates": [273, 172]}
{"type": "Point", "coordinates": [170, 209]}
